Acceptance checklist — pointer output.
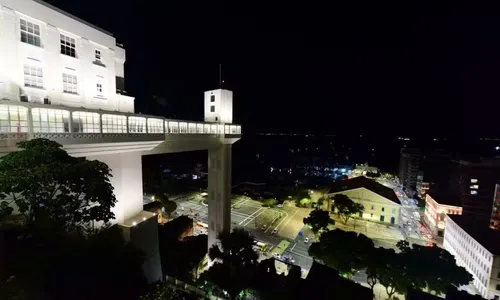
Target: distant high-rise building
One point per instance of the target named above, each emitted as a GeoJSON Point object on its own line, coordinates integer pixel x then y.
{"type": "Point", "coordinates": [474, 182]}
{"type": "Point", "coordinates": [495, 212]}
{"type": "Point", "coordinates": [409, 165]}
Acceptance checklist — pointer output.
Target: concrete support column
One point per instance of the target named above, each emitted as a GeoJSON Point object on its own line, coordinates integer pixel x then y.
{"type": "Point", "coordinates": [126, 169]}
{"type": "Point", "coordinates": [219, 191]}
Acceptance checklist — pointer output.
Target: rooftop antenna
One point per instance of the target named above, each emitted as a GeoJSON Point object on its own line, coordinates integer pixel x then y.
{"type": "Point", "coordinates": [221, 82]}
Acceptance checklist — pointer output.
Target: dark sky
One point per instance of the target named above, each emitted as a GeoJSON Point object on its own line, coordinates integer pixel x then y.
{"type": "Point", "coordinates": [380, 67]}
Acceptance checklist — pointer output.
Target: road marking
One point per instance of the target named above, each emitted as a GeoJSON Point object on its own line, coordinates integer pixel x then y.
{"type": "Point", "coordinates": [281, 214]}
{"type": "Point", "coordinates": [251, 215]}
{"type": "Point", "coordinates": [299, 254]}
{"type": "Point", "coordinates": [295, 244]}
{"type": "Point", "coordinates": [255, 217]}
{"type": "Point", "coordinates": [285, 219]}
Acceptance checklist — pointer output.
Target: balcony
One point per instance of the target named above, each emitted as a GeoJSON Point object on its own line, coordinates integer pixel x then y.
{"type": "Point", "coordinates": [69, 126]}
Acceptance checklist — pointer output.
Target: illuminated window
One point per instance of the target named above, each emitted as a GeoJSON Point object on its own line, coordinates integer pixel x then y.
{"type": "Point", "coordinates": [474, 186]}
{"type": "Point", "coordinates": [70, 84]}
{"type": "Point", "coordinates": [68, 46]}
{"type": "Point", "coordinates": [83, 121]}
{"type": "Point", "coordinates": [192, 128]}
{"type": "Point", "coordinates": [206, 128]}
{"type": "Point", "coordinates": [473, 181]}
{"type": "Point", "coordinates": [199, 128]}
{"type": "Point", "coordinates": [155, 126]}
{"type": "Point", "coordinates": [213, 128]}
{"type": "Point", "coordinates": [136, 125]}
{"type": "Point", "coordinates": [13, 118]}
{"type": "Point", "coordinates": [212, 108]}
{"type": "Point", "coordinates": [33, 76]}
{"type": "Point", "coordinates": [114, 124]}
{"type": "Point", "coordinates": [473, 192]}
{"type": "Point", "coordinates": [173, 127]}
{"type": "Point", "coordinates": [30, 33]}
{"type": "Point", "coordinates": [183, 127]}
{"type": "Point", "coordinates": [50, 120]}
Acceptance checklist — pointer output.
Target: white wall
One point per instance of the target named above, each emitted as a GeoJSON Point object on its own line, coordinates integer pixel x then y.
{"type": "Point", "coordinates": [14, 54]}
{"type": "Point", "coordinates": [474, 257]}
{"type": "Point", "coordinates": [126, 169]}
{"type": "Point", "coordinates": [223, 106]}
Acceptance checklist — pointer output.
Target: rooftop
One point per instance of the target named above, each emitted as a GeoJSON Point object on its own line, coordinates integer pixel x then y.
{"type": "Point", "coordinates": [367, 183]}
{"type": "Point", "coordinates": [477, 228]}
{"type": "Point", "coordinates": [444, 198]}
{"type": "Point", "coordinates": [72, 16]}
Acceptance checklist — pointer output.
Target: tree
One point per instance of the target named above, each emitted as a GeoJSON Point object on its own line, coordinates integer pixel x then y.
{"type": "Point", "coordinates": [169, 205]}
{"type": "Point", "coordinates": [345, 207]}
{"type": "Point", "coordinates": [380, 258]}
{"type": "Point", "coordinates": [345, 251]}
{"type": "Point", "coordinates": [164, 291]}
{"type": "Point", "coordinates": [234, 264]}
{"type": "Point", "coordinates": [318, 220]}
{"type": "Point", "coordinates": [51, 188]}
{"type": "Point", "coordinates": [391, 274]}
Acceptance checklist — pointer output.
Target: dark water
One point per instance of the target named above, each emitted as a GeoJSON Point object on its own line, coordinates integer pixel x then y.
{"type": "Point", "coordinates": [254, 155]}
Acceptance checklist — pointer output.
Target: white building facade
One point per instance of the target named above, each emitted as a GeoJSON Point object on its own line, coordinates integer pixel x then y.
{"type": "Point", "coordinates": [479, 261]}
{"type": "Point", "coordinates": [50, 57]}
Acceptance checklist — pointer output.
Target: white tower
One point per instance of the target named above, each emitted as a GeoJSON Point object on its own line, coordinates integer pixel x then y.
{"type": "Point", "coordinates": [219, 106]}
{"type": "Point", "coordinates": [219, 109]}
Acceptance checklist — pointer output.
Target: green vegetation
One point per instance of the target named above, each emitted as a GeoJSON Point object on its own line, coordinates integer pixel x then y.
{"type": "Point", "coordinates": [56, 196]}
{"type": "Point", "coordinates": [318, 220]}
{"type": "Point", "coordinates": [235, 263]}
{"type": "Point", "coordinates": [415, 267]}
{"type": "Point", "coordinates": [169, 205]}
{"type": "Point", "coordinates": [58, 191]}
{"type": "Point", "coordinates": [345, 207]}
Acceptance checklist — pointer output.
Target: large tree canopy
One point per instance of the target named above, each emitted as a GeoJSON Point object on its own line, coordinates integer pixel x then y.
{"type": "Point", "coordinates": [345, 207]}
{"type": "Point", "coordinates": [45, 183]}
{"type": "Point", "coordinates": [318, 220]}
{"type": "Point", "coordinates": [235, 264]}
{"type": "Point", "coordinates": [345, 251]}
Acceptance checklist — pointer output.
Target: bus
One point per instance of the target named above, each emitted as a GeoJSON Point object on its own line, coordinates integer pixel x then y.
{"type": "Point", "coordinates": [278, 251]}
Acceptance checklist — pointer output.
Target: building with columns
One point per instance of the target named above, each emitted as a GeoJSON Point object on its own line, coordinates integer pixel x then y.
{"type": "Point", "coordinates": [62, 79]}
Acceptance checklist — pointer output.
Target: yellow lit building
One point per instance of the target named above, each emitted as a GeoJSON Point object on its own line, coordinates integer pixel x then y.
{"type": "Point", "coordinates": [436, 208]}
{"type": "Point", "coordinates": [380, 202]}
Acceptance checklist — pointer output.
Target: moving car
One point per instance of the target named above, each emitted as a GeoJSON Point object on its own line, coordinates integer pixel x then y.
{"type": "Point", "coordinates": [306, 240]}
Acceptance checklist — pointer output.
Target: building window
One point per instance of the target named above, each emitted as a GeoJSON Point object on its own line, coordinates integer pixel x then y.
{"type": "Point", "coordinates": [371, 215]}
{"type": "Point", "coordinates": [372, 207]}
{"type": "Point", "coordinates": [50, 120]}
{"type": "Point", "coordinates": [68, 46]}
{"type": "Point", "coordinates": [33, 76]}
{"type": "Point", "coordinates": [212, 98]}
{"type": "Point", "coordinates": [83, 121]}
{"type": "Point", "coordinates": [114, 124]}
{"type": "Point", "coordinates": [70, 84]}
{"type": "Point", "coordinates": [498, 287]}
{"type": "Point", "coordinates": [212, 108]}
{"type": "Point", "coordinates": [30, 33]}
{"type": "Point", "coordinates": [183, 127]}
{"type": "Point", "coordinates": [383, 208]}
{"type": "Point", "coordinates": [173, 127]}
{"type": "Point", "coordinates": [473, 192]}
{"type": "Point", "coordinates": [99, 88]}
{"type": "Point", "coordinates": [473, 180]}
{"type": "Point", "coordinates": [155, 126]}
{"type": "Point", "coordinates": [393, 210]}
{"type": "Point", "coordinates": [474, 186]}
{"type": "Point", "coordinates": [13, 118]}
{"type": "Point", "coordinates": [136, 125]}
{"type": "Point", "coordinates": [97, 55]}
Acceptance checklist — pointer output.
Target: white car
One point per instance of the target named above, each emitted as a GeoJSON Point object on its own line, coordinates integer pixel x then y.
{"type": "Point", "coordinates": [306, 240]}
{"type": "Point", "coordinates": [280, 205]}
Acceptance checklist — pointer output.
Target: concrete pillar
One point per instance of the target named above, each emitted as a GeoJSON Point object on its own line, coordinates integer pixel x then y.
{"type": "Point", "coordinates": [219, 191]}
{"type": "Point", "coordinates": [126, 169]}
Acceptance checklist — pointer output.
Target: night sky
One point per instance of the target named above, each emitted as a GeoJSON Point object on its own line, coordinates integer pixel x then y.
{"type": "Point", "coordinates": [377, 67]}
